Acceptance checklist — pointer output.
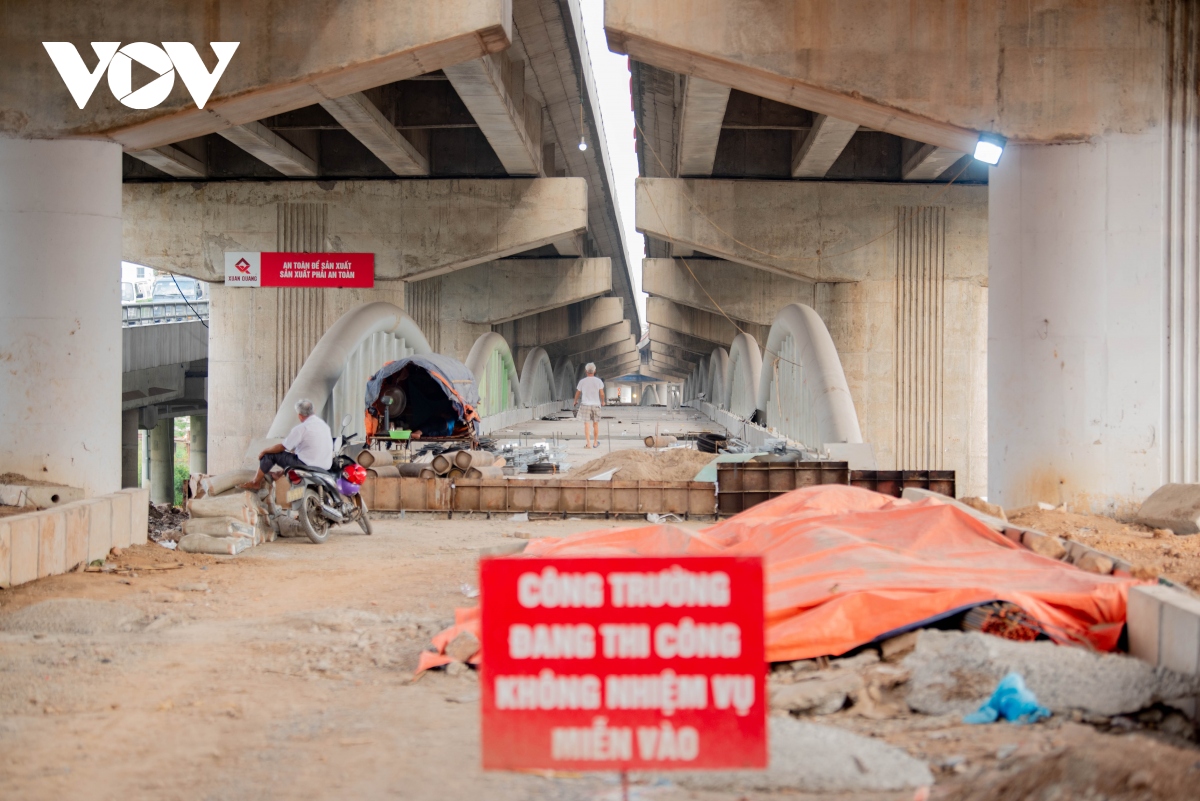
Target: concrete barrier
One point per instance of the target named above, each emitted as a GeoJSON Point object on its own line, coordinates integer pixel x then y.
{"type": "Point", "coordinates": [1164, 630]}
{"type": "Point", "coordinates": [54, 541]}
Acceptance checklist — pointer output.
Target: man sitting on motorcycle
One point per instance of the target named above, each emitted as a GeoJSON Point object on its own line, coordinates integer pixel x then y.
{"type": "Point", "coordinates": [309, 444]}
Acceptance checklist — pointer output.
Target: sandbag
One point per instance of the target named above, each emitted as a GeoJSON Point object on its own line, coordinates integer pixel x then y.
{"type": "Point", "coordinates": [468, 459]}
{"type": "Point", "coordinates": [242, 506]}
{"type": "Point", "coordinates": [219, 527]}
{"type": "Point", "coordinates": [224, 482]}
{"type": "Point", "coordinates": [202, 543]}
{"type": "Point", "coordinates": [485, 472]}
{"type": "Point", "coordinates": [375, 458]}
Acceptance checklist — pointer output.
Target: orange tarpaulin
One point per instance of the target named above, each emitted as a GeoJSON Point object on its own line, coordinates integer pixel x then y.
{"type": "Point", "coordinates": [847, 565]}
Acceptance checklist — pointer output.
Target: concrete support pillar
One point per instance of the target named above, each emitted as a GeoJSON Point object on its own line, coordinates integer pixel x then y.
{"type": "Point", "coordinates": [60, 331]}
{"type": "Point", "coordinates": [1076, 333]}
{"type": "Point", "coordinates": [129, 448]}
{"type": "Point", "coordinates": [198, 451]}
{"type": "Point", "coordinates": [162, 462]}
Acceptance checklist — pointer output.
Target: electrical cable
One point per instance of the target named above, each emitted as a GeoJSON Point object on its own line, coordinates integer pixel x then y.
{"type": "Point", "coordinates": [188, 302]}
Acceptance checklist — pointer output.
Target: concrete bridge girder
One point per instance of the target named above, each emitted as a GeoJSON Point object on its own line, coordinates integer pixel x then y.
{"type": "Point", "coordinates": [697, 323]}
{"type": "Point", "coordinates": [271, 71]}
{"type": "Point", "coordinates": [942, 95]}
{"type": "Point", "coordinates": [744, 293]}
{"type": "Point", "coordinates": [585, 343]}
{"type": "Point", "coordinates": [815, 231]}
{"type": "Point", "coordinates": [416, 229]}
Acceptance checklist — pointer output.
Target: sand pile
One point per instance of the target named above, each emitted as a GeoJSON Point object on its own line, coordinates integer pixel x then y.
{"type": "Point", "coordinates": [674, 464]}
{"type": "Point", "coordinates": [1175, 556]}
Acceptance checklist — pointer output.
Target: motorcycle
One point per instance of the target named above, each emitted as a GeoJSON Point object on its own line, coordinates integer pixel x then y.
{"type": "Point", "coordinates": [319, 499]}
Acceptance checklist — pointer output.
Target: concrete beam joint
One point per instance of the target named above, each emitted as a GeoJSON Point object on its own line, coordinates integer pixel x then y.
{"type": "Point", "coordinates": [358, 115]}
{"type": "Point", "coordinates": [700, 118]}
{"type": "Point", "coordinates": [273, 150]}
{"type": "Point", "coordinates": [928, 162]}
{"type": "Point", "coordinates": [817, 150]}
{"type": "Point", "coordinates": [172, 161]}
{"type": "Point", "coordinates": [493, 90]}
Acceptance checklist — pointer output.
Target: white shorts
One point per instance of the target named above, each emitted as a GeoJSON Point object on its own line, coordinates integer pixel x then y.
{"type": "Point", "coordinates": [590, 414]}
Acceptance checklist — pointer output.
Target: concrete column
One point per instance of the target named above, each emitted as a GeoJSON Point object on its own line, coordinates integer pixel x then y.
{"type": "Point", "coordinates": [162, 462]}
{"type": "Point", "coordinates": [129, 448]}
{"type": "Point", "coordinates": [60, 331]}
{"type": "Point", "coordinates": [198, 452]}
{"type": "Point", "coordinates": [1076, 331]}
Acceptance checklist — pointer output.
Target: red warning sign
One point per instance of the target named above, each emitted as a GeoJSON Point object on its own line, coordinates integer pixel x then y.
{"type": "Point", "coordinates": [624, 663]}
{"type": "Point", "coordinates": [267, 269]}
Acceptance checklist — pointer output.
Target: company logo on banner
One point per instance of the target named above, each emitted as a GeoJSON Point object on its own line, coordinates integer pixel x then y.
{"type": "Point", "coordinates": [625, 663]}
{"type": "Point", "coordinates": [331, 270]}
{"type": "Point", "coordinates": [164, 61]}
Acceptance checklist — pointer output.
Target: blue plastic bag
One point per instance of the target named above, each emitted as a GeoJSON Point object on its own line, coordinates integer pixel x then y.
{"type": "Point", "coordinates": [1012, 701]}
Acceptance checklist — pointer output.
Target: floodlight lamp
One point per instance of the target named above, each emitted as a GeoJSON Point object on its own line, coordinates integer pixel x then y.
{"type": "Point", "coordinates": [582, 144]}
{"type": "Point", "coordinates": [989, 148]}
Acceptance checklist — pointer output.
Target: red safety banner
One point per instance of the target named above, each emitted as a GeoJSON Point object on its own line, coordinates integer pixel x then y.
{"type": "Point", "coordinates": [266, 269]}
{"type": "Point", "coordinates": [623, 663]}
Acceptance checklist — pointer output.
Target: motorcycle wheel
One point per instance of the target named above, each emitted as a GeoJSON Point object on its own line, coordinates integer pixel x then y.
{"type": "Point", "coordinates": [316, 525]}
{"type": "Point", "coordinates": [364, 519]}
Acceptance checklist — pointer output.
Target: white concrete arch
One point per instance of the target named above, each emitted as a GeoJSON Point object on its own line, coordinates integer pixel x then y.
{"type": "Point", "coordinates": [334, 377]}
{"type": "Point", "coordinates": [565, 379]}
{"type": "Point", "coordinates": [649, 396]}
{"type": "Point", "coordinates": [745, 369]}
{"type": "Point", "coordinates": [700, 385]}
{"type": "Point", "coordinates": [491, 362]}
{"type": "Point", "coordinates": [717, 378]}
{"type": "Point", "coordinates": [538, 382]}
{"type": "Point", "coordinates": [802, 388]}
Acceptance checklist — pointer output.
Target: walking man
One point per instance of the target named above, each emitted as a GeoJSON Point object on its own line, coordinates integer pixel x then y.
{"type": "Point", "coordinates": [591, 391]}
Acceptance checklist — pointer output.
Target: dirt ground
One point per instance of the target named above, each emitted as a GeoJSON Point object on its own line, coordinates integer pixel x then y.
{"type": "Point", "coordinates": [286, 672]}
{"type": "Point", "coordinates": [1156, 552]}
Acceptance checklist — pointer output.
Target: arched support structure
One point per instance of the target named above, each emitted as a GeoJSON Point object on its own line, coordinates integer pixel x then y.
{"type": "Point", "coordinates": [491, 362]}
{"type": "Point", "coordinates": [745, 369]}
{"type": "Point", "coordinates": [538, 382]}
{"type": "Point", "coordinates": [650, 396]}
{"type": "Point", "coordinates": [718, 378]}
{"type": "Point", "coordinates": [336, 372]}
{"type": "Point", "coordinates": [802, 389]}
{"type": "Point", "coordinates": [565, 376]}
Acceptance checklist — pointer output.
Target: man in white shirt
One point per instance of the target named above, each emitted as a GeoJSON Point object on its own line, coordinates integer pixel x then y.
{"type": "Point", "coordinates": [591, 390]}
{"type": "Point", "coordinates": [309, 444]}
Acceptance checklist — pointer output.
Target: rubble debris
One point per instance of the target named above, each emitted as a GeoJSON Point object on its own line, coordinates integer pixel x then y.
{"type": "Point", "coordinates": [954, 672]}
{"type": "Point", "coordinates": [1150, 552]}
{"type": "Point", "coordinates": [1095, 563]}
{"type": "Point", "coordinates": [898, 646]}
{"type": "Point", "coordinates": [1173, 506]}
{"type": "Point", "coordinates": [165, 522]}
{"type": "Point", "coordinates": [673, 464]}
{"type": "Point", "coordinates": [812, 758]}
{"type": "Point", "coordinates": [980, 505]}
{"type": "Point", "coordinates": [463, 647]}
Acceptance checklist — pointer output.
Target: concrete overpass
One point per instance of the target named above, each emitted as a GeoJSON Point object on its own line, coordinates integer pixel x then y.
{"type": "Point", "coordinates": [1029, 325]}
{"type": "Point", "coordinates": [445, 144]}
